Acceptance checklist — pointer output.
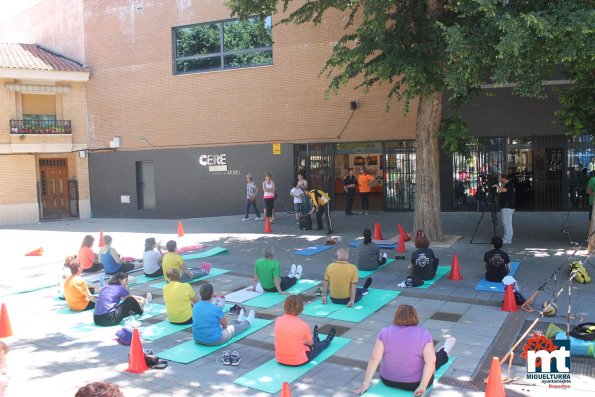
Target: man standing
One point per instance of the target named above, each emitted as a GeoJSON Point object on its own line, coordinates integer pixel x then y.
{"type": "Point", "coordinates": [320, 204]}
{"type": "Point", "coordinates": [349, 184]}
{"type": "Point", "coordinates": [507, 204]}
{"type": "Point", "coordinates": [342, 277]}
{"type": "Point", "coordinates": [364, 182]}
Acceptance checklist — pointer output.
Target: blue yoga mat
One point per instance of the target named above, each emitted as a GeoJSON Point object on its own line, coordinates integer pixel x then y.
{"type": "Point", "coordinates": [491, 286]}
{"type": "Point", "coordinates": [313, 250]}
{"type": "Point", "coordinates": [391, 246]}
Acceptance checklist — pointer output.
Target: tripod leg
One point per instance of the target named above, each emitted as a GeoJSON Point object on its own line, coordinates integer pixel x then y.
{"type": "Point", "coordinates": [477, 227]}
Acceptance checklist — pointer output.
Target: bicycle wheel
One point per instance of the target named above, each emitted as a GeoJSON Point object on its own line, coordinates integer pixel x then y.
{"type": "Point", "coordinates": [289, 206]}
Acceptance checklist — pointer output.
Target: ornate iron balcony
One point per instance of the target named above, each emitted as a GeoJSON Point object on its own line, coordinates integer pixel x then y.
{"type": "Point", "coordinates": [40, 127]}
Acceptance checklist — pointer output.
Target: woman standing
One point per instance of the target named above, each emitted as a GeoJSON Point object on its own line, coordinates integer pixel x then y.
{"type": "Point", "coordinates": [152, 258]}
{"type": "Point", "coordinates": [251, 191]}
{"type": "Point", "coordinates": [268, 187]}
{"type": "Point", "coordinates": [108, 309]}
{"type": "Point", "coordinates": [407, 354]}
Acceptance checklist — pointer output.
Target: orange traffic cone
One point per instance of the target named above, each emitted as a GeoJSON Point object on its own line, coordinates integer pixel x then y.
{"type": "Point", "coordinates": [101, 244]}
{"type": "Point", "coordinates": [401, 247]}
{"type": "Point", "coordinates": [495, 388]}
{"type": "Point", "coordinates": [180, 229]}
{"type": "Point", "coordinates": [509, 304]}
{"type": "Point", "coordinates": [37, 252]}
{"type": "Point", "coordinates": [267, 225]}
{"type": "Point", "coordinates": [377, 232]}
{"type": "Point", "coordinates": [5, 328]}
{"type": "Point", "coordinates": [285, 391]}
{"type": "Point", "coordinates": [136, 359]}
{"type": "Point", "coordinates": [403, 232]}
{"type": "Point", "coordinates": [455, 272]}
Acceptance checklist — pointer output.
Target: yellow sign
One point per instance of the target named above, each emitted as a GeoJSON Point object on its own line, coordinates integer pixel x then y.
{"type": "Point", "coordinates": [276, 148]}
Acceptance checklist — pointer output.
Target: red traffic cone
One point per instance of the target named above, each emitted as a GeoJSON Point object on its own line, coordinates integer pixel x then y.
{"type": "Point", "coordinates": [495, 388]}
{"type": "Point", "coordinates": [455, 272]}
{"type": "Point", "coordinates": [401, 246]}
{"type": "Point", "coordinates": [37, 252]}
{"type": "Point", "coordinates": [403, 232]}
{"type": "Point", "coordinates": [136, 359]}
{"type": "Point", "coordinates": [101, 244]}
{"type": "Point", "coordinates": [180, 229]}
{"type": "Point", "coordinates": [285, 391]}
{"type": "Point", "coordinates": [377, 232]}
{"type": "Point", "coordinates": [509, 304]}
{"type": "Point", "coordinates": [5, 328]}
{"type": "Point", "coordinates": [267, 225]}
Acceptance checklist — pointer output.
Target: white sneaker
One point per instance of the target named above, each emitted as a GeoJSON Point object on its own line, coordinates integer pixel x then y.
{"type": "Point", "coordinates": [252, 315]}
{"type": "Point", "coordinates": [241, 316]}
{"type": "Point", "coordinates": [449, 343]}
{"type": "Point", "coordinates": [257, 218]}
{"type": "Point", "coordinates": [292, 271]}
{"type": "Point", "coordinates": [245, 219]}
{"type": "Point", "coordinates": [221, 301]}
{"type": "Point", "coordinates": [385, 256]}
{"type": "Point", "coordinates": [298, 272]}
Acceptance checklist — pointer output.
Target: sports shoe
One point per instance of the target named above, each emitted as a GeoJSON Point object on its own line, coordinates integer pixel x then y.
{"type": "Point", "coordinates": [331, 335]}
{"type": "Point", "coordinates": [206, 267]}
{"type": "Point", "coordinates": [385, 256]}
{"type": "Point", "coordinates": [245, 219]}
{"type": "Point", "coordinates": [235, 358]}
{"type": "Point", "coordinates": [368, 283]}
{"type": "Point", "coordinates": [227, 357]}
{"type": "Point", "coordinates": [318, 291]}
{"type": "Point", "coordinates": [257, 218]}
{"type": "Point", "coordinates": [449, 343]}
{"type": "Point", "coordinates": [315, 336]}
{"type": "Point", "coordinates": [251, 317]}
{"type": "Point", "coordinates": [298, 272]}
{"type": "Point", "coordinates": [241, 316]}
{"type": "Point", "coordinates": [235, 309]}
{"type": "Point", "coordinates": [292, 271]}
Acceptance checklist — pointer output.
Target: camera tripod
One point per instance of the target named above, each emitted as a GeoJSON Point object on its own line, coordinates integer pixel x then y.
{"type": "Point", "coordinates": [489, 203]}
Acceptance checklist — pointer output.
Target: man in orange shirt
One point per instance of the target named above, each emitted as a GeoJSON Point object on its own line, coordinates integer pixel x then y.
{"type": "Point", "coordinates": [364, 182]}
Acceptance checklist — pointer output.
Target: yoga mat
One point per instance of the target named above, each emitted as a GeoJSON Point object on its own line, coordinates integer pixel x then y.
{"type": "Point", "coordinates": [381, 390]}
{"type": "Point", "coordinates": [242, 295]}
{"type": "Point", "coordinates": [211, 252]}
{"type": "Point", "coordinates": [190, 351]}
{"type": "Point", "coordinates": [140, 279]}
{"type": "Point", "coordinates": [190, 248]}
{"type": "Point", "coordinates": [367, 273]}
{"type": "Point", "coordinates": [440, 271]}
{"type": "Point", "coordinates": [386, 246]}
{"type": "Point", "coordinates": [269, 299]}
{"type": "Point", "coordinates": [269, 377]}
{"type": "Point", "coordinates": [88, 327]}
{"type": "Point", "coordinates": [485, 285]}
{"type": "Point", "coordinates": [313, 250]}
{"type": "Point", "coordinates": [215, 271]}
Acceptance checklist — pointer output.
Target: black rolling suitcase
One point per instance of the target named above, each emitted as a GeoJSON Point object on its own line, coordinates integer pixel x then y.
{"type": "Point", "coordinates": [305, 222]}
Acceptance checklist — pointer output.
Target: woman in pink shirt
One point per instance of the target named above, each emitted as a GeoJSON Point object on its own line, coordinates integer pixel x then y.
{"type": "Point", "coordinates": [88, 259]}
{"type": "Point", "coordinates": [294, 344]}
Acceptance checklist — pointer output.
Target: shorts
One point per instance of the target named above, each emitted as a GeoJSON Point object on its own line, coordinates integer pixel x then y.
{"type": "Point", "coordinates": [297, 207]}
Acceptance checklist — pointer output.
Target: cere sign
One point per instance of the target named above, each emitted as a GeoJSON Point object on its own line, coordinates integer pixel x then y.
{"type": "Point", "coordinates": [215, 162]}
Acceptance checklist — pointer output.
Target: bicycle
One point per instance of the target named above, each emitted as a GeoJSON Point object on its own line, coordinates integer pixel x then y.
{"type": "Point", "coordinates": [289, 208]}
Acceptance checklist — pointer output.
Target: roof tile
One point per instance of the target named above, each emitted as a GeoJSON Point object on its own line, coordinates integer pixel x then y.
{"type": "Point", "coordinates": [36, 57]}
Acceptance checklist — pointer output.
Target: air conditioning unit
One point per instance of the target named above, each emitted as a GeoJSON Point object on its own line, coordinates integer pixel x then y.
{"type": "Point", "coordinates": [115, 143]}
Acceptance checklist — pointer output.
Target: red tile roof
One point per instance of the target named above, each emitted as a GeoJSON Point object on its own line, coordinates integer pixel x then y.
{"type": "Point", "coordinates": [36, 57]}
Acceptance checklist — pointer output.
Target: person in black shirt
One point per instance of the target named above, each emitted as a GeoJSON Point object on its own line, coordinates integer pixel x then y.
{"type": "Point", "coordinates": [497, 262]}
{"type": "Point", "coordinates": [349, 185]}
{"type": "Point", "coordinates": [423, 261]}
{"type": "Point", "coordinates": [507, 205]}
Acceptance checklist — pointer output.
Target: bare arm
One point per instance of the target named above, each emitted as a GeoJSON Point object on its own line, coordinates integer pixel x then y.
{"type": "Point", "coordinates": [324, 291]}
{"type": "Point", "coordinates": [277, 282]}
{"type": "Point", "coordinates": [186, 270]}
{"type": "Point", "coordinates": [115, 255]}
{"type": "Point", "coordinates": [224, 322]}
{"type": "Point", "coordinates": [352, 297]}
{"type": "Point", "coordinates": [429, 368]}
{"type": "Point", "coordinates": [377, 354]}
{"type": "Point", "coordinates": [254, 281]}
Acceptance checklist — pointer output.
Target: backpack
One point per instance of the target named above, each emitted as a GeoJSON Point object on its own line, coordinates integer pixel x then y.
{"type": "Point", "coordinates": [582, 275]}
{"type": "Point", "coordinates": [584, 331]}
{"type": "Point", "coordinates": [124, 336]}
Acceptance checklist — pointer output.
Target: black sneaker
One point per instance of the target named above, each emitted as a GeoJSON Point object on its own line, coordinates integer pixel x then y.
{"type": "Point", "coordinates": [235, 358]}
{"type": "Point", "coordinates": [331, 335]}
{"type": "Point", "coordinates": [368, 283]}
{"type": "Point", "coordinates": [315, 334]}
{"type": "Point", "coordinates": [235, 309]}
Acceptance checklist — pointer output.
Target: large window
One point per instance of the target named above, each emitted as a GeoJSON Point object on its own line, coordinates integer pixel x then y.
{"type": "Point", "coordinates": [222, 45]}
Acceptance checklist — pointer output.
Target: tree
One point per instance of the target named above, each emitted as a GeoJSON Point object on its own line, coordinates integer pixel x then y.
{"type": "Point", "coordinates": [426, 48]}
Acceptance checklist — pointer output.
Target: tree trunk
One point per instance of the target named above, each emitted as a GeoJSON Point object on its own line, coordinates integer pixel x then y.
{"type": "Point", "coordinates": [427, 162]}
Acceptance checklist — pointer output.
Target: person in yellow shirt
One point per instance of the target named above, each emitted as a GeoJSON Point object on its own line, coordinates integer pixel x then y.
{"type": "Point", "coordinates": [320, 205]}
{"type": "Point", "coordinates": [171, 260]}
{"type": "Point", "coordinates": [342, 277]}
{"type": "Point", "coordinates": [179, 299]}
{"type": "Point", "coordinates": [364, 183]}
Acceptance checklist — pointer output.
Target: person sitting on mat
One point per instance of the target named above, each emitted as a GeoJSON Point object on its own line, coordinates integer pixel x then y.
{"type": "Point", "coordinates": [110, 259]}
{"type": "Point", "coordinates": [78, 295]}
{"type": "Point", "coordinates": [342, 277]}
{"type": "Point", "coordinates": [423, 261]}
{"type": "Point", "coordinates": [152, 258]}
{"type": "Point", "coordinates": [88, 259]}
{"type": "Point", "coordinates": [294, 344]}
{"type": "Point", "coordinates": [407, 354]}
{"type": "Point", "coordinates": [368, 254]}
{"type": "Point", "coordinates": [179, 299]}
{"type": "Point", "coordinates": [108, 308]}
{"type": "Point", "coordinates": [175, 261]}
{"type": "Point", "coordinates": [210, 326]}
{"type": "Point", "coordinates": [268, 271]}
{"type": "Point", "coordinates": [496, 261]}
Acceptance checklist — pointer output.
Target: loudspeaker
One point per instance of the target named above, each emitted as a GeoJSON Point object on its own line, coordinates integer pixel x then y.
{"type": "Point", "coordinates": [353, 105]}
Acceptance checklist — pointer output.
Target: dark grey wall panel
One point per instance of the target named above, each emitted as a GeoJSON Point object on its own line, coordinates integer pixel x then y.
{"type": "Point", "coordinates": [184, 187]}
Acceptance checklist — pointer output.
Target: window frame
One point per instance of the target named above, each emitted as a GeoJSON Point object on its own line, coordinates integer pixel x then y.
{"type": "Point", "coordinates": [222, 54]}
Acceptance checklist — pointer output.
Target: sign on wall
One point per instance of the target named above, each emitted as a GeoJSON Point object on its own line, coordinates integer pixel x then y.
{"type": "Point", "coordinates": [276, 149]}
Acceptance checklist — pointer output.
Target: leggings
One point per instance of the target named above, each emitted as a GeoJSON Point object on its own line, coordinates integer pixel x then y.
{"type": "Point", "coordinates": [441, 359]}
{"type": "Point", "coordinates": [96, 267]}
{"type": "Point", "coordinates": [365, 202]}
{"type": "Point", "coordinates": [234, 328]}
{"type": "Point", "coordinates": [285, 283]}
{"type": "Point", "coordinates": [269, 205]}
{"type": "Point", "coordinates": [128, 306]}
{"type": "Point", "coordinates": [124, 268]}
{"type": "Point", "coordinates": [158, 273]}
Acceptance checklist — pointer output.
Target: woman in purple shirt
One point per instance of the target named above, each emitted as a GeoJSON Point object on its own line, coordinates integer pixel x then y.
{"type": "Point", "coordinates": [407, 354]}
{"type": "Point", "coordinates": [108, 309]}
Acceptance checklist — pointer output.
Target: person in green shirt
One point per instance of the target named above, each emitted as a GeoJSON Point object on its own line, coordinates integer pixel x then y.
{"type": "Point", "coordinates": [267, 271]}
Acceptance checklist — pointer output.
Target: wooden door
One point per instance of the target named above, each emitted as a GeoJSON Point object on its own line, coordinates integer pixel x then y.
{"type": "Point", "coordinates": [54, 188]}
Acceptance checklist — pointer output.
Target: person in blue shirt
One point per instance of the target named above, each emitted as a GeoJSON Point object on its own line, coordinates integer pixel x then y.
{"type": "Point", "coordinates": [210, 326]}
{"type": "Point", "coordinates": [110, 259]}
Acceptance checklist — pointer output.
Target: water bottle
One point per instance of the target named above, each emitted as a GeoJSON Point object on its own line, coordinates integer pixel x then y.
{"type": "Point", "coordinates": [101, 281]}
{"type": "Point", "coordinates": [148, 302]}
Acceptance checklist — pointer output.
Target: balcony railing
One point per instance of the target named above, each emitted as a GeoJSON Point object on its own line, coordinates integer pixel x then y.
{"type": "Point", "coordinates": [40, 127]}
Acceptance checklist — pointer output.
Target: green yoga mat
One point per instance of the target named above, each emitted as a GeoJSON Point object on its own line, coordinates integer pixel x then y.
{"type": "Point", "coordinates": [211, 252]}
{"type": "Point", "coordinates": [88, 327]}
{"type": "Point", "coordinates": [190, 351]}
{"type": "Point", "coordinates": [367, 273]}
{"type": "Point", "coordinates": [215, 271]}
{"type": "Point", "coordinates": [370, 303]}
{"type": "Point", "coordinates": [381, 390]}
{"type": "Point", "coordinates": [270, 299]}
{"type": "Point", "coordinates": [440, 271]}
{"type": "Point", "coordinates": [270, 376]}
